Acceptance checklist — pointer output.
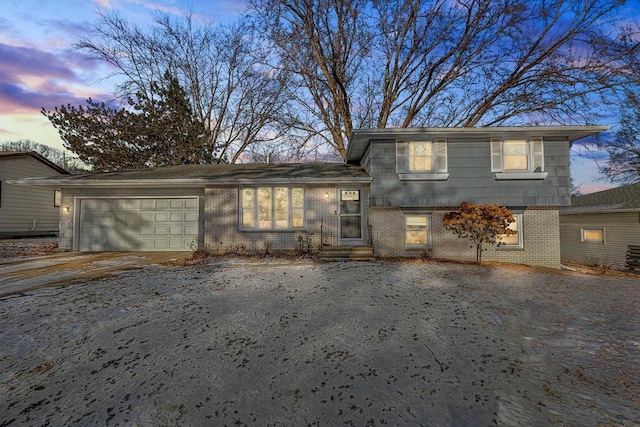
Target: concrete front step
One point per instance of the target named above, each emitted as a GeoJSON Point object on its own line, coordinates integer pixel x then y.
{"type": "Point", "coordinates": [346, 253]}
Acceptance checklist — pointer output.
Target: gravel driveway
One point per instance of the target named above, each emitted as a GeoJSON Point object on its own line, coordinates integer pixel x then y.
{"type": "Point", "coordinates": [244, 343]}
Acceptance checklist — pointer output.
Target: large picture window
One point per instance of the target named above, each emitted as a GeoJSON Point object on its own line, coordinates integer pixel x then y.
{"type": "Point", "coordinates": [272, 208]}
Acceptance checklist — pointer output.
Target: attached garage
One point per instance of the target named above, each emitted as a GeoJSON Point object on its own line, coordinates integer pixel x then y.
{"type": "Point", "coordinates": [137, 224]}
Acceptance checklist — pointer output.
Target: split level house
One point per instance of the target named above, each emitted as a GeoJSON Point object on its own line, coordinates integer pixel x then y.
{"type": "Point", "coordinates": [28, 211]}
{"type": "Point", "coordinates": [390, 195]}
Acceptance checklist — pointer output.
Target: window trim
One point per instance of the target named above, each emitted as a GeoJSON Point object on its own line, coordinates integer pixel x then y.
{"type": "Point", "coordinates": [593, 242]}
{"type": "Point", "coordinates": [535, 160]}
{"type": "Point", "coordinates": [440, 161]}
{"type": "Point", "coordinates": [57, 198]}
{"type": "Point", "coordinates": [520, 234]}
{"type": "Point", "coordinates": [255, 209]}
{"type": "Point", "coordinates": [428, 216]}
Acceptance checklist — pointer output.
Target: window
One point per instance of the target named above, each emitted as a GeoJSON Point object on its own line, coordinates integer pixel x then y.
{"type": "Point", "coordinates": [57, 198]}
{"type": "Point", "coordinates": [518, 156]}
{"type": "Point", "coordinates": [272, 208]}
{"type": "Point", "coordinates": [512, 241]}
{"type": "Point", "coordinates": [592, 235]}
{"type": "Point", "coordinates": [417, 230]}
{"type": "Point", "coordinates": [425, 160]}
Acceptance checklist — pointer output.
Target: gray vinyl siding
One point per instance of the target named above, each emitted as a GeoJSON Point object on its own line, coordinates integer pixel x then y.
{"type": "Point", "coordinates": [470, 178]}
{"type": "Point", "coordinates": [25, 210]}
{"type": "Point", "coordinates": [620, 229]}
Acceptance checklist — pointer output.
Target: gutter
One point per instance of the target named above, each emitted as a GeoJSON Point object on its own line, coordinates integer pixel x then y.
{"type": "Point", "coordinates": [164, 183]}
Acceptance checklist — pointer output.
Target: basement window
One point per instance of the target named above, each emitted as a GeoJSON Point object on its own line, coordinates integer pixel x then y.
{"type": "Point", "coordinates": [592, 235]}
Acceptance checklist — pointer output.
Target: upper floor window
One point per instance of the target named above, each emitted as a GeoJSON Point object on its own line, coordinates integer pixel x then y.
{"type": "Point", "coordinates": [518, 158]}
{"type": "Point", "coordinates": [425, 160]}
{"type": "Point", "coordinates": [272, 208]}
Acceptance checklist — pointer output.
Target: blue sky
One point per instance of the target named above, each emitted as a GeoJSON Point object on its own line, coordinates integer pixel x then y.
{"type": "Point", "coordinates": [39, 68]}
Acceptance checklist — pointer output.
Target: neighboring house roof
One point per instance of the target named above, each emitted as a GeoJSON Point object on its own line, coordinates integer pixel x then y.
{"type": "Point", "coordinates": [360, 138]}
{"type": "Point", "coordinates": [626, 198]}
{"type": "Point", "coordinates": [40, 158]}
{"type": "Point", "coordinates": [190, 175]}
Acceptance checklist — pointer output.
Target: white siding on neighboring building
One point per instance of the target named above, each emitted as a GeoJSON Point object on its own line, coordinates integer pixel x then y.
{"type": "Point", "coordinates": [26, 210]}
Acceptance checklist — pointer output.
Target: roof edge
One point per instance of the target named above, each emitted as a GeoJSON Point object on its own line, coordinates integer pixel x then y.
{"type": "Point", "coordinates": [180, 182]}
{"type": "Point", "coordinates": [359, 137]}
{"type": "Point", "coordinates": [36, 156]}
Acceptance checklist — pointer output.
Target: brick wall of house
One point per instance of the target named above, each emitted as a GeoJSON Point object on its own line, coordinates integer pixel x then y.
{"type": "Point", "coordinates": [541, 239]}
{"type": "Point", "coordinates": [222, 232]}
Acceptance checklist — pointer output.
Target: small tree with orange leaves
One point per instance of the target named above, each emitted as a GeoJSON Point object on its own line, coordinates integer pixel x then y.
{"type": "Point", "coordinates": [479, 223]}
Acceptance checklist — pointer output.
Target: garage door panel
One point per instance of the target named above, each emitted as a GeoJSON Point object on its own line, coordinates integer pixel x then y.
{"type": "Point", "coordinates": [176, 204]}
{"type": "Point", "coordinates": [138, 224]}
{"type": "Point", "coordinates": [176, 230]}
{"type": "Point", "coordinates": [147, 204]}
{"type": "Point", "coordinates": [148, 218]}
{"type": "Point", "coordinates": [132, 204]}
{"type": "Point", "coordinates": [176, 217]}
{"type": "Point", "coordinates": [162, 204]}
{"type": "Point", "coordinates": [161, 217]}
{"type": "Point", "coordinates": [191, 231]}
{"type": "Point", "coordinates": [161, 231]}
{"type": "Point", "coordinates": [119, 204]}
{"type": "Point", "coordinates": [161, 244]}
{"type": "Point", "coordinates": [146, 230]}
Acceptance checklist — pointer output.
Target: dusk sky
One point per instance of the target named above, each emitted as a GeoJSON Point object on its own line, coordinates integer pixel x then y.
{"type": "Point", "coordinates": [39, 67]}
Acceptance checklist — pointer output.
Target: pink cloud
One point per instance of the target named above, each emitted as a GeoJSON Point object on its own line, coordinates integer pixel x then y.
{"type": "Point", "coordinates": [31, 79]}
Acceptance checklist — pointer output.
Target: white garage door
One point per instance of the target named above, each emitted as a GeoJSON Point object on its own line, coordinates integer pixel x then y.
{"type": "Point", "coordinates": [138, 224]}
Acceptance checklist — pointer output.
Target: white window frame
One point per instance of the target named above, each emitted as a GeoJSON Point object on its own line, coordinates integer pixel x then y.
{"type": "Point", "coordinates": [439, 161]}
{"type": "Point", "coordinates": [255, 209]}
{"type": "Point", "coordinates": [584, 231]}
{"type": "Point", "coordinates": [520, 244]}
{"type": "Point", "coordinates": [429, 222]}
{"type": "Point", "coordinates": [535, 159]}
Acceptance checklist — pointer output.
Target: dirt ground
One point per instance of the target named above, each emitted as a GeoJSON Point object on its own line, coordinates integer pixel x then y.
{"type": "Point", "coordinates": [27, 247]}
{"type": "Point", "coordinates": [296, 343]}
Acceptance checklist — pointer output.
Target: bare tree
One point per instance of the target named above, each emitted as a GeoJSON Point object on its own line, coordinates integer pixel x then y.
{"type": "Point", "coordinates": [623, 151]}
{"type": "Point", "coordinates": [221, 69]}
{"type": "Point", "coordinates": [379, 63]}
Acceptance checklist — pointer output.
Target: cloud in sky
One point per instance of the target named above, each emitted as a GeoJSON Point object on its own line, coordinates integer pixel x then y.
{"type": "Point", "coordinates": [32, 78]}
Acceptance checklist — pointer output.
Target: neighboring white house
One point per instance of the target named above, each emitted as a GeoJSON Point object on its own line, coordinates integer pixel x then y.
{"type": "Point", "coordinates": [600, 227]}
{"type": "Point", "coordinates": [28, 211]}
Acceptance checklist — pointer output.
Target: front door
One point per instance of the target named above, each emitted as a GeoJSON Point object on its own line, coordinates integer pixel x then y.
{"type": "Point", "coordinates": [350, 217]}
